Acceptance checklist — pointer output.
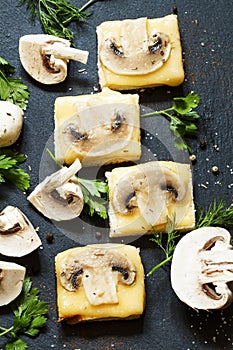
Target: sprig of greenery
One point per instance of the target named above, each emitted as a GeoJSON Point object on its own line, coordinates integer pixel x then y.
{"type": "Point", "coordinates": [167, 244]}
{"type": "Point", "coordinates": [216, 215]}
{"type": "Point", "coordinates": [11, 89]}
{"type": "Point", "coordinates": [10, 170]}
{"type": "Point", "coordinates": [182, 118]}
{"type": "Point", "coordinates": [56, 15]}
{"type": "Point", "coordinates": [95, 193]}
{"type": "Point", "coordinates": [29, 317]}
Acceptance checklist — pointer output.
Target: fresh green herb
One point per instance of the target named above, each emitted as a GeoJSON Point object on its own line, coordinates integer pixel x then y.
{"type": "Point", "coordinates": [56, 15]}
{"type": "Point", "coordinates": [10, 170]}
{"type": "Point", "coordinates": [182, 118]}
{"type": "Point", "coordinates": [95, 193]}
{"type": "Point", "coordinates": [29, 317]}
{"type": "Point", "coordinates": [167, 244]}
{"type": "Point", "coordinates": [215, 215]}
{"type": "Point", "coordinates": [11, 89]}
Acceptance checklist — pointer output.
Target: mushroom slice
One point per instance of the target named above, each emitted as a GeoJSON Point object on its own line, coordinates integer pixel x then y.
{"type": "Point", "coordinates": [202, 267]}
{"type": "Point", "coordinates": [132, 52]}
{"type": "Point", "coordinates": [98, 270]}
{"type": "Point", "coordinates": [59, 196]}
{"type": "Point", "coordinates": [11, 281]}
{"type": "Point", "coordinates": [17, 235]}
{"type": "Point", "coordinates": [11, 122]}
{"type": "Point", "coordinates": [144, 196]}
{"type": "Point", "coordinates": [45, 57]}
{"type": "Point", "coordinates": [97, 129]}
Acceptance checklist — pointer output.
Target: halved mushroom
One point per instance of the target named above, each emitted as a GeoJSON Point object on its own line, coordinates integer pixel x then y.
{"type": "Point", "coordinates": [59, 196]}
{"type": "Point", "coordinates": [17, 235]}
{"type": "Point", "coordinates": [11, 122]}
{"type": "Point", "coordinates": [132, 52]}
{"type": "Point", "coordinates": [149, 188]}
{"type": "Point", "coordinates": [11, 281]}
{"type": "Point", "coordinates": [45, 57]}
{"type": "Point", "coordinates": [202, 267]}
{"type": "Point", "coordinates": [99, 270]}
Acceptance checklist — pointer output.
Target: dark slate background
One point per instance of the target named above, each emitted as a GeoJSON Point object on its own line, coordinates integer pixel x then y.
{"type": "Point", "coordinates": [206, 33]}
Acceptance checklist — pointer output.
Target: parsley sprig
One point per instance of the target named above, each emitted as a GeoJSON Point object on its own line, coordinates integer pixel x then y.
{"type": "Point", "coordinates": [95, 194]}
{"type": "Point", "coordinates": [12, 89]}
{"type": "Point", "coordinates": [56, 15]}
{"type": "Point", "coordinates": [29, 317]}
{"type": "Point", "coordinates": [183, 118]}
{"type": "Point", "coordinates": [10, 169]}
{"type": "Point", "coordinates": [216, 215]}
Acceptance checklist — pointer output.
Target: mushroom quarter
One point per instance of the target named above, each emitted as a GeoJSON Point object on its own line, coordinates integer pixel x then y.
{"type": "Point", "coordinates": [45, 57]}
{"type": "Point", "coordinates": [17, 235]}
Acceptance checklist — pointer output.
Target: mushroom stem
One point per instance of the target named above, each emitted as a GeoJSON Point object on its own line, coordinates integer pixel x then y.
{"type": "Point", "coordinates": [68, 53]}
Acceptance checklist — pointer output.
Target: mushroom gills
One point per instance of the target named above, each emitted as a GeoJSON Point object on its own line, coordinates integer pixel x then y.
{"type": "Point", "coordinates": [17, 235]}
{"type": "Point", "coordinates": [132, 52]}
{"type": "Point", "coordinates": [11, 281]}
{"type": "Point", "coordinates": [59, 196]}
{"type": "Point", "coordinates": [202, 268]}
{"type": "Point", "coordinates": [99, 271]}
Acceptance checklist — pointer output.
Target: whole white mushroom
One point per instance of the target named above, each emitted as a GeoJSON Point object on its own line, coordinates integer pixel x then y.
{"type": "Point", "coordinates": [11, 123]}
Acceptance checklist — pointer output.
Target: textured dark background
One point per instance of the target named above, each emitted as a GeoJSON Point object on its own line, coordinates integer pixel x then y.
{"type": "Point", "coordinates": [206, 33]}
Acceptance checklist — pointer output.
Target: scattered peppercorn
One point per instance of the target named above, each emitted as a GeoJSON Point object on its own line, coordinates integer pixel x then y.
{"type": "Point", "coordinates": [193, 158]}
{"type": "Point", "coordinates": [49, 237]}
{"type": "Point", "coordinates": [175, 10]}
{"type": "Point", "coordinates": [98, 235]}
{"type": "Point", "coordinates": [215, 169]}
{"type": "Point", "coordinates": [203, 144]}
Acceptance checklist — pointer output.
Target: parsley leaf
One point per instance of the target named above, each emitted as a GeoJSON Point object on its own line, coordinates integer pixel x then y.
{"type": "Point", "coordinates": [11, 89]}
{"type": "Point", "coordinates": [182, 118]}
{"type": "Point", "coordinates": [29, 317]}
{"type": "Point", "coordinates": [10, 170]}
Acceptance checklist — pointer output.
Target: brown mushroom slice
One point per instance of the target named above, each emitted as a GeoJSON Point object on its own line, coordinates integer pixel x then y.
{"type": "Point", "coordinates": [132, 52]}
{"type": "Point", "coordinates": [98, 270]}
{"type": "Point", "coordinates": [17, 235]}
{"type": "Point", "coordinates": [59, 197]}
{"type": "Point", "coordinates": [45, 57]}
{"type": "Point", "coordinates": [11, 281]}
{"type": "Point", "coordinates": [202, 267]}
{"type": "Point", "coordinates": [11, 123]}
{"type": "Point", "coordinates": [149, 188]}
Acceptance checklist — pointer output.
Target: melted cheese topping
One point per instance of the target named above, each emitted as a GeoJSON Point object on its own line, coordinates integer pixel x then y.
{"type": "Point", "coordinates": [75, 307]}
{"type": "Point", "coordinates": [171, 73]}
{"type": "Point", "coordinates": [94, 115]}
{"type": "Point", "coordinates": [134, 222]}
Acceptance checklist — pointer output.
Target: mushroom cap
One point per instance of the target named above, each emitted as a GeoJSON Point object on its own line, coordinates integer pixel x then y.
{"type": "Point", "coordinates": [11, 281]}
{"type": "Point", "coordinates": [132, 52]}
{"type": "Point", "coordinates": [201, 267]}
{"type": "Point", "coordinates": [59, 196]}
{"type": "Point", "coordinates": [47, 69]}
{"type": "Point", "coordinates": [17, 235]}
{"type": "Point", "coordinates": [11, 122]}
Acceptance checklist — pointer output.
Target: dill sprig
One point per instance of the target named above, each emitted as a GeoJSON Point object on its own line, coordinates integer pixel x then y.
{"type": "Point", "coordinates": [216, 215]}
{"type": "Point", "coordinates": [56, 15]}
